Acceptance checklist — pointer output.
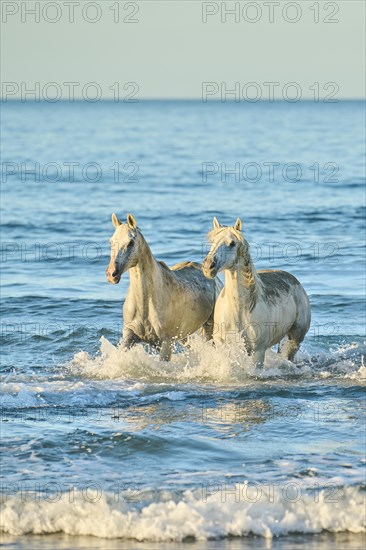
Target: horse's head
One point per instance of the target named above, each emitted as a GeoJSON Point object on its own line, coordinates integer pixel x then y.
{"type": "Point", "coordinates": [124, 248]}
{"type": "Point", "coordinates": [226, 243]}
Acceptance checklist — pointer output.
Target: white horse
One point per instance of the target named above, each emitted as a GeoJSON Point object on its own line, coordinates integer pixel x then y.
{"type": "Point", "coordinates": [261, 307]}
{"type": "Point", "coordinates": [162, 304]}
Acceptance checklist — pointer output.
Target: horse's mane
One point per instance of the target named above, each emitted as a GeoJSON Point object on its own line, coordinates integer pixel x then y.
{"type": "Point", "coordinates": [214, 232]}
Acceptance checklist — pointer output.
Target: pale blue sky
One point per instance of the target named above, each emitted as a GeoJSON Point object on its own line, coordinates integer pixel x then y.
{"type": "Point", "coordinates": [170, 51]}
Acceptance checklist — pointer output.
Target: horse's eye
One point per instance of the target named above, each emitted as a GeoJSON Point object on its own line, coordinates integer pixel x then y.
{"type": "Point", "coordinates": [130, 244]}
{"type": "Point", "coordinates": [231, 244]}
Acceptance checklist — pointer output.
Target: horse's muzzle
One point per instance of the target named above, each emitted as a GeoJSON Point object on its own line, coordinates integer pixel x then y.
{"type": "Point", "coordinates": [114, 277]}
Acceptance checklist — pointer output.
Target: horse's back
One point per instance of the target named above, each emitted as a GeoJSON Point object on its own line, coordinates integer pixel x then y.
{"type": "Point", "coordinates": [190, 278]}
{"type": "Point", "coordinates": [190, 275]}
{"type": "Point", "coordinates": [276, 279]}
{"type": "Point", "coordinates": [187, 264]}
{"type": "Point", "coordinates": [189, 272]}
{"type": "Point", "coordinates": [277, 283]}
{"type": "Point", "coordinates": [182, 266]}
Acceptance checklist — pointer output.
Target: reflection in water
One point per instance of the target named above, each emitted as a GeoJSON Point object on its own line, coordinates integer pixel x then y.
{"type": "Point", "coordinates": [229, 418]}
{"type": "Point", "coordinates": [321, 541]}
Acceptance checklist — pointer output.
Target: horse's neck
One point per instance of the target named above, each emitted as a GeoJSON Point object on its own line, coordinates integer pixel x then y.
{"type": "Point", "coordinates": [242, 282]}
{"type": "Point", "coordinates": [145, 277]}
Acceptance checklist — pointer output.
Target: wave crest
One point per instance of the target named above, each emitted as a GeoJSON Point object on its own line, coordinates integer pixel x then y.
{"type": "Point", "coordinates": [173, 518]}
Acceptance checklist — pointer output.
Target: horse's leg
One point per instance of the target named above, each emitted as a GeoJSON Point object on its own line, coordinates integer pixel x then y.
{"type": "Point", "coordinates": [208, 328]}
{"type": "Point", "coordinates": [258, 357]}
{"type": "Point", "coordinates": [298, 330]}
{"type": "Point", "coordinates": [291, 343]}
{"type": "Point", "coordinates": [165, 350]}
{"type": "Point", "coordinates": [288, 348]}
{"type": "Point", "coordinates": [186, 342]}
{"type": "Point", "coordinates": [129, 338]}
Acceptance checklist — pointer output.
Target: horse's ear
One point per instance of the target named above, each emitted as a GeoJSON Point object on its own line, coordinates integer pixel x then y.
{"type": "Point", "coordinates": [238, 225]}
{"type": "Point", "coordinates": [132, 223]}
{"type": "Point", "coordinates": [216, 224]}
{"type": "Point", "coordinates": [115, 220]}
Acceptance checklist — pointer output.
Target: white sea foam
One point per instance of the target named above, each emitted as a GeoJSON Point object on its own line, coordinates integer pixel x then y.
{"type": "Point", "coordinates": [167, 517]}
{"type": "Point", "coordinates": [16, 396]}
{"type": "Point", "coordinates": [94, 380]}
{"type": "Point", "coordinates": [203, 363]}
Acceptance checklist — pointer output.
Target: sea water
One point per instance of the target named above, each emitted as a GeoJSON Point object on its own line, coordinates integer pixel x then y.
{"type": "Point", "coordinates": [100, 443]}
